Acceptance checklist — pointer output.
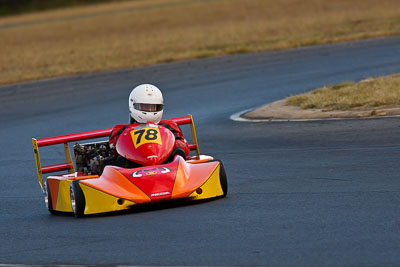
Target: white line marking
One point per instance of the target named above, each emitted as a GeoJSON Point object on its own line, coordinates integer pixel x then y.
{"type": "Point", "coordinates": [237, 117]}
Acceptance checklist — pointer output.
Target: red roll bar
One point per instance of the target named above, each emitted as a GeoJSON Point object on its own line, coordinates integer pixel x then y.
{"type": "Point", "coordinates": [72, 137]}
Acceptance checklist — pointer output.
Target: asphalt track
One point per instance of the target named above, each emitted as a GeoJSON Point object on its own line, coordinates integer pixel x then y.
{"type": "Point", "coordinates": [300, 193]}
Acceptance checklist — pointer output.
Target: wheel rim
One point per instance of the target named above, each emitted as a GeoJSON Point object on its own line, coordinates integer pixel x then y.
{"type": "Point", "coordinates": [73, 202]}
{"type": "Point", "coordinates": [46, 195]}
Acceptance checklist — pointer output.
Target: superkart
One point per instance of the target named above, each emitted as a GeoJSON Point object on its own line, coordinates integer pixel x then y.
{"type": "Point", "coordinates": [93, 185]}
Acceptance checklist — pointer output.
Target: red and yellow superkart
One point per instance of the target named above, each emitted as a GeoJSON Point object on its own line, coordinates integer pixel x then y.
{"type": "Point", "coordinates": [93, 185]}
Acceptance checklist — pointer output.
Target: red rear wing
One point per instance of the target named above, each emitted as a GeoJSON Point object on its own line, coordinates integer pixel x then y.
{"type": "Point", "coordinates": [65, 139]}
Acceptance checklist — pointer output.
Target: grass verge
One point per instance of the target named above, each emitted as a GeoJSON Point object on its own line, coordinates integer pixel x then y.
{"type": "Point", "coordinates": [375, 92]}
{"type": "Point", "coordinates": [137, 33]}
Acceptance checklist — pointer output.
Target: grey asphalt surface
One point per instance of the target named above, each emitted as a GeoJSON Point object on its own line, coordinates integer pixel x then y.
{"type": "Point", "coordinates": [322, 193]}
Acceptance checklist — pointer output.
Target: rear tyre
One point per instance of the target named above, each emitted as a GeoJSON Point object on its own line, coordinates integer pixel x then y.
{"type": "Point", "coordinates": [222, 178]}
{"type": "Point", "coordinates": [77, 199]}
{"type": "Point", "coordinates": [47, 197]}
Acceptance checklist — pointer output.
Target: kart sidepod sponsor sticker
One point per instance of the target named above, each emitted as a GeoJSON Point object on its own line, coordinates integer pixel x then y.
{"type": "Point", "coordinates": [152, 171]}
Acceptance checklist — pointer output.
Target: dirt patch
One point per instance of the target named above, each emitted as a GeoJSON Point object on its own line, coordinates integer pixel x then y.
{"type": "Point", "coordinates": [280, 111]}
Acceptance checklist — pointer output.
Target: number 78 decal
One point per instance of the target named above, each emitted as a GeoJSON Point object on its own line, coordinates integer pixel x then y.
{"type": "Point", "coordinates": [145, 135]}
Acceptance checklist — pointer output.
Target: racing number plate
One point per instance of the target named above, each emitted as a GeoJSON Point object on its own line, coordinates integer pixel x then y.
{"type": "Point", "coordinates": [146, 135]}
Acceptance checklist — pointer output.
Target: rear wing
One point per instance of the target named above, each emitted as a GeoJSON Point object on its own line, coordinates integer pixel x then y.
{"type": "Point", "coordinates": [68, 165]}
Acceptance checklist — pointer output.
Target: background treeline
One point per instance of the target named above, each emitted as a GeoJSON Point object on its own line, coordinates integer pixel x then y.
{"type": "Point", "coordinates": [12, 7]}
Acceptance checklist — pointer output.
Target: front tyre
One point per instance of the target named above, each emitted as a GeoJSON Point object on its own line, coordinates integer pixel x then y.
{"type": "Point", "coordinates": [222, 178]}
{"type": "Point", "coordinates": [77, 199]}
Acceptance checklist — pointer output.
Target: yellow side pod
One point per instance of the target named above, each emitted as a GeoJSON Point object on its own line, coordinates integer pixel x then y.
{"type": "Point", "coordinates": [98, 201]}
{"type": "Point", "coordinates": [211, 188]}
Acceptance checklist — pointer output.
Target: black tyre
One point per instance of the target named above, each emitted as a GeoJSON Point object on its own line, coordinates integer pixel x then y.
{"type": "Point", "coordinates": [222, 178]}
{"type": "Point", "coordinates": [47, 197]}
{"type": "Point", "coordinates": [77, 199]}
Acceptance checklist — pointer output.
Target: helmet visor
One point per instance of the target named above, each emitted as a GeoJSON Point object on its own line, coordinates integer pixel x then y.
{"type": "Point", "coordinates": [149, 107]}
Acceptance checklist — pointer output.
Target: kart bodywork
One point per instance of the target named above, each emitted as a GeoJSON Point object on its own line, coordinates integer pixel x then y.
{"type": "Point", "coordinates": [115, 188]}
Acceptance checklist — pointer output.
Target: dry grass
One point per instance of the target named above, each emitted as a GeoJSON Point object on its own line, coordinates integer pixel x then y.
{"type": "Point", "coordinates": [376, 92]}
{"type": "Point", "coordinates": [144, 32]}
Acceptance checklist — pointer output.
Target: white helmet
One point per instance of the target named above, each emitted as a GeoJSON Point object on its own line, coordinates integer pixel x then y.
{"type": "Point", "coordinates": [146, 104]}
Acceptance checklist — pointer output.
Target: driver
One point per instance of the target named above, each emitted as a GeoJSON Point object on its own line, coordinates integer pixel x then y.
{"type": "Point", "coordinates": [146, 105]}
